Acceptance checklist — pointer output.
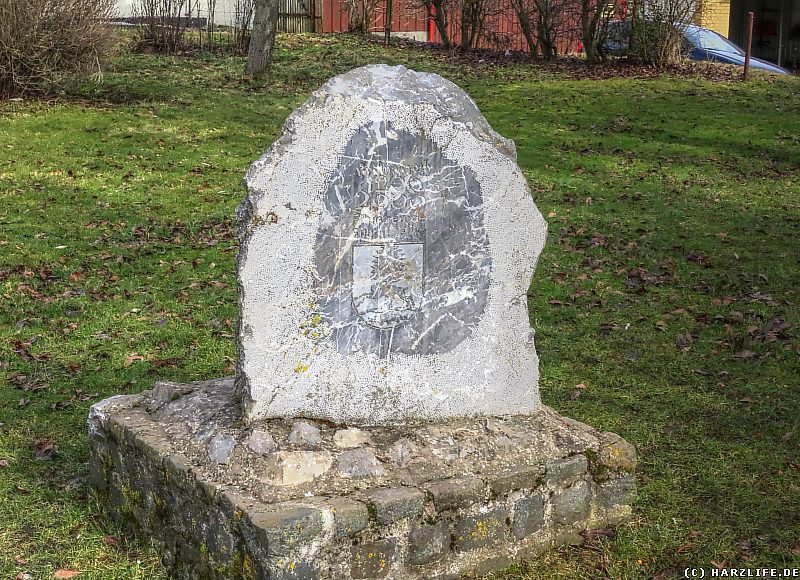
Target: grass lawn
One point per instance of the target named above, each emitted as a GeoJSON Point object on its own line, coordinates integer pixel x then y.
{"type": "Point", "coordinates": [665, 302]}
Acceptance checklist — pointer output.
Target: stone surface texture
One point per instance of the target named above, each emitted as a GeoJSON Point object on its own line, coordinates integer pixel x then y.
{"type": "Point", "coordinates": [289, 512]}
{"type": "Point", "coordinates": [388, 240]}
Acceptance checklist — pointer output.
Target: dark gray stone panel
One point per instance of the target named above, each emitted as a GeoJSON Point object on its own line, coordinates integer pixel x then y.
{"type": "Point", "coordinates": [402, 255]}
{"type": "Point", "coordinates": [481, 530]}
{"type": "Point", "coordinates": [288, 526]}
{"type": "Point", "coordinates": [372, 559]}
{"type": "Point", "coordinates": [528, 516]}
{"type": "Point", "coordinates": [455, 493]}
{"type": "Point", "coordinates": [428, 543]}
{"type": "Point", "coordinates": [618, 491]}
{"type": "Point", "coordinates": [572, 504]}
{"type": "Point", "coordinates": [516, 478]}
{"type": "Point", "coordinates": [565, 471]}
{"type": "Point", "coordinates": [393, 503]}
{"type": "Point", "coordinates": [349, 517]}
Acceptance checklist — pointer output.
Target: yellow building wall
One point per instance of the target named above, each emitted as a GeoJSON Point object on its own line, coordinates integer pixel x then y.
{"type": "Point", "coordinates": [716, 15]}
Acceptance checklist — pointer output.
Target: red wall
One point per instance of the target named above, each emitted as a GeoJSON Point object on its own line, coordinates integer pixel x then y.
{"type": "Point", "coordinates": [501, 30]}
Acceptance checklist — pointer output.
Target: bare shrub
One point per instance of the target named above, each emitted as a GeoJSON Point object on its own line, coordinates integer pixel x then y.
{"type": "Point", "coordinates": [657, 30]}
{"type": "Point", "coordinates": [553, 21]}
{"type": "Point", "coordinates": [466, 16]}
{"type": "Point", "coordinates": [242, 21]}
{"type": "Point", "coordinates": [473, 16]}
{"type": "Point", "coordinates": [593, 21]}
{"type": "Point", "coordinates": [211, 7]}
{"type": "Point", "coordinates": [44, 44]}
{"type": "Point", "coordinates": [162, 23]}
{"type": "Point", "coordinates": [526, 13]}
{"type": "Point", "coordinates": [440, 10]}
{"type": "Point", "coordinates": [360, 14]}
{"type": "Point", "coordinates": [543, 23]}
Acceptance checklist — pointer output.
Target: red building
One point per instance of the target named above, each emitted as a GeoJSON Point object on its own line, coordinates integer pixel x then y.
{"type": "Point", "coordinates": [411, 20]}
{"type": "Point", "coordinates": [776, 34]}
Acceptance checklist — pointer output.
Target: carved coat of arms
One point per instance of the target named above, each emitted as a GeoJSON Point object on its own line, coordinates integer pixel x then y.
{"type": "Point", "coordinates": [402, 257]}
{"type": "Point", "coordinates": [388, 282]}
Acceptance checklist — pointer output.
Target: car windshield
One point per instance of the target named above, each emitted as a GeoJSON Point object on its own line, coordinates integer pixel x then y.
{"type": "Point", "coordinates": [709, 40]}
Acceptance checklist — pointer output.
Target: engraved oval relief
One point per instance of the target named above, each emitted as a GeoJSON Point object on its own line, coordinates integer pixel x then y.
{"type": "Point", "coordinates": [401, 252]}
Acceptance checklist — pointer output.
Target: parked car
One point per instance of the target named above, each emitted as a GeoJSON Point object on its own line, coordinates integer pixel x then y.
{"type": "Point", "coordinates": [699, 43]}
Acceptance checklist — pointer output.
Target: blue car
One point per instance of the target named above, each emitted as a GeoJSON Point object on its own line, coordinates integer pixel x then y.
{"type": "Point", "coordinates": [699, 43]}
{"type": "Point", "coordinates": [705, 44]}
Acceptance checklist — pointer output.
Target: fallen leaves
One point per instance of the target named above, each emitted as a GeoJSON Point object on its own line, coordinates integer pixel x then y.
{"type": "Point", "coordinates": [132, 358]}
{"type": "Point", "coordinates": [598, 534]}
{"type": "Point", "coordinates": [23, 350]}
{"type": "Point", "coordinates": [45, 448]}
{"type": "Point", "coordinates": [699, 258]}
{"type": "Point", "coordinates": [64, 574]}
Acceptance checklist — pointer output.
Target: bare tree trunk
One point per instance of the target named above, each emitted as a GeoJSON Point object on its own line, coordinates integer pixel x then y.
{"type": "Point", "coordinates": [265, 18]}
{"type": "Point", "coordinates": [440, 19]}
{"type": "Point", "coordinates": [523, 11]}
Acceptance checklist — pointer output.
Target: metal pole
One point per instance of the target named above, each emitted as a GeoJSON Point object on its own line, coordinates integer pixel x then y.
{"type": "Point", "coordinates": [780, 35]}
{"type": "Point", "coordinates": [388, 30]}
{"type": "Point", "coordinates": [750, 17]}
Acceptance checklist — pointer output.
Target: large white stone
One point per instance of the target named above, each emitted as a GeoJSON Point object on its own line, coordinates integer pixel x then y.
{"type": "Point", "coordinates": [388, 243]}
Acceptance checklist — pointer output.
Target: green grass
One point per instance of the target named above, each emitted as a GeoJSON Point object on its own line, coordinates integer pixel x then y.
{"type": "Point", "coordinates": [673, 209]}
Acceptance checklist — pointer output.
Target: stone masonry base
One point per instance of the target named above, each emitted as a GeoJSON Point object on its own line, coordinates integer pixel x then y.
{"type": "Point", "coordinates": [309, 499]}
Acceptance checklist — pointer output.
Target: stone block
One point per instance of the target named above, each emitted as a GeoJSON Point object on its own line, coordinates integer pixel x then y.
{"type": "Point", "coordinates": [402, 451]}
{"type": "Point", "coordinates": [565, 471]}
{"type": "Point", "coordinates": [220, 448]}
{"type": "Point", "coordinates": [615, 453]}
{"type": "Point", "coordinates": [428, 543]}
{"type": "Point", "coordinates": [297, 467]}
{"type": "Point", "coordinates": [288, 526]}
{"type": "Point", "coordinates": [515, 478]}
{"type": "Point", "coordinates": [481, 530]}
{"type": "Point", "coordinates": [359, 463]}
{"type": "Point", "coordinates": [455, 493]}
{"type": "Point", "coordinates": [351, 438]}
{"type": "Point", "coordinates": [372, 559]}
{"type": "Point", "coordinates": [305, 434]}
{"type": "Point", "coordinates": [293, 569]}
{"type": "Point", "coordinates": [261, 441]}
{"type": "Point", "coordinates": [349, 517]}
{"type": "Point", "coordinates": [528, 516]}
{"type": "Point", "coordinates": [573, 504]}
{"type": "Point", "coordinates": [617, 491]}
{"type": "Point", "coordinates": [493, 564]}
{"type": "Point", "coordinates": [393, 503]}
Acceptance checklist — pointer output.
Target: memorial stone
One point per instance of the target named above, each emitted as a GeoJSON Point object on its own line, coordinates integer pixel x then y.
{"type": "Point", "coordinates": [388, 242]}
{"type": "Point", "coordinates": [385, 418]}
